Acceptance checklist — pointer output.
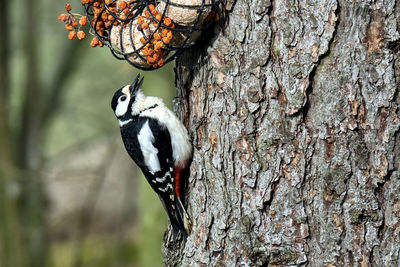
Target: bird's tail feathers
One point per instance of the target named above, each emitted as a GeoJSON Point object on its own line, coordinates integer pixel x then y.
{"type": "Point", "coordinates": [183, 217]}
{"type": "Point", "coordinates": [180, 220]}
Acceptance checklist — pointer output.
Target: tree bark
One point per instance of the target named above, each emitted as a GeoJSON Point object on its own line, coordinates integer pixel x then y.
{"type": "Point", "coordinates": [293, 107]}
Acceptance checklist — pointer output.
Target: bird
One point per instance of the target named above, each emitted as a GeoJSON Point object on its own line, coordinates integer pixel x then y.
{"type": "Point", "coordinates": [159, 144]}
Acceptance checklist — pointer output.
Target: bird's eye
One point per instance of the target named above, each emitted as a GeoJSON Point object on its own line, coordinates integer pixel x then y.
{"type": "Point", "coordinates": [122, 98]}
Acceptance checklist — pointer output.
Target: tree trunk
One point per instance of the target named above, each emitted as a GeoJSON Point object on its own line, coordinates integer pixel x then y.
{"type": "Point", "coordinates": [293, 107]}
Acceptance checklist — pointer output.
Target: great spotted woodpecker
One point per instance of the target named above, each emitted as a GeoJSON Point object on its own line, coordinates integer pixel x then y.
{"type": "Point", "coordinates": [159, 144]}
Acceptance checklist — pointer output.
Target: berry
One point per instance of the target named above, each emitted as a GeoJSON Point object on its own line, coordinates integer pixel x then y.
{"type": "Point", "coordinates": [71, 35]}
{"type": "Point", "coordinates": [81, 35]}
{"type": "Point", "coordinates": [62, 17]}
{"type": "Point", "coordinates": [83, 21]}
{"type": "Point", "coordinates": [68, 7]}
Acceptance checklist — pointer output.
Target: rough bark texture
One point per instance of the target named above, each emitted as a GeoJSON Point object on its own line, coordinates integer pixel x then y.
{"type": "Point", "coordinates": [294, 111]}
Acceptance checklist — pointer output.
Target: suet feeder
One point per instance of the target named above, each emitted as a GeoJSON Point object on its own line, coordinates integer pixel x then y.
{"type": "Point", "coordinates": [147, 33]}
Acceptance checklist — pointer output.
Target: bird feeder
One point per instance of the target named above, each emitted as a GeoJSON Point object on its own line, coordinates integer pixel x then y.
{"type": "Point", "coordinates": [147, 33]}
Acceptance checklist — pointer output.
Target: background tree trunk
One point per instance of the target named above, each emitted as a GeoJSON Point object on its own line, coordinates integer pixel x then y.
{"type": "Point", "coordinates": [294, 110]}
{"type": "Point", "coordinates": [23, 229]}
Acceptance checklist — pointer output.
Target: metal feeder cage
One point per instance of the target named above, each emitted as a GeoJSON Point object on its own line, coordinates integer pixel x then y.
{"type": "Point", "coordinates": [146, 33]}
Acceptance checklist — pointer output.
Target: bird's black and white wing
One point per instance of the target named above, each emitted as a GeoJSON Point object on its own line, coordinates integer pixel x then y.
{"type": "Point", "coordinates": [149, 146]}
{"type": "Point", "coordinates": [156, 162]}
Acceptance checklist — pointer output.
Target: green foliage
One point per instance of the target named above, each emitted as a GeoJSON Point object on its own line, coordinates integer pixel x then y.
{"type": "Point", "coordinates": [153, 222]}
{"type": "Point", "coordinates": [139, 247]}
{"type": "Point", "coordinates": [85, 79]}
{"type": "Point", "coordinates": [99, 251]}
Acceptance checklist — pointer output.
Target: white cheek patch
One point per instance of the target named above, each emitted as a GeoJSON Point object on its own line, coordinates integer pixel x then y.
{"type": "Point", "coordinates": [122, 106]}
{"type": "Point", "coordinates": [146, 138]}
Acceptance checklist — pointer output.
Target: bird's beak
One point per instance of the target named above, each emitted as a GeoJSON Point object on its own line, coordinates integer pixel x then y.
{"type": "Point", "coordinates": [137, 83]}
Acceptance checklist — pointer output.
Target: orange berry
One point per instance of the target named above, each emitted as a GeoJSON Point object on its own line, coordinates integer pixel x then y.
{"type": "Point", "coordinates": [158, 45]}
{"type": "Point", "coordinates": [155, 65]}
{"type": "Point", "coordinates": [96, 4]}
{"type": "Point", "coordinates": [110, 17]}
{"type": "Point", "coordinates": [145, 51]}
{"type": "Point", "coordinates": [99, 25]}
{"type": "Point", "coordinates": [85, 2]}
{"type": "Point", "coordinates": [151, 8]}
{"type": "Point", "coordinates": [83, 21]}
{"type": "Point", "coordinates": [81, 35]}
{"type": "Point", "coordinates": [167, 21]}
{"type": "Point", "coordinates": [142, 40]}
{"type": "Point", "coordinates": [101, 44]}
{"type": "Point", "coordinates": [104, 16]}
{"type": "Point", "coordinates": [150, 52]}
{"type": "Point", "coordinates": [74, 23]}
{"type": "Point", "coordinates": [169, 35]}
{"type": "Point", "coordinates": [71, 35]}
{"type": "Point", "coordinates": [107, 25]}
{"type": "Point", "coordinates": [157, 36]}
{"type": "Point", "coordinates": [150, 60]}
{"type": "Point", "coordinates": [164, 33]}
{"type": "Point", "coordinates": [69, 27]}
{"type": "Point", "coordinates": [160, 62]}
{"type": "Point", "coordinates": [100, 29]}
{"type": "Point", "coordinates": [140, 20]}
{"type": "Point", "coordinates": [166, 40]}
{"type": "Point", "coordinates": [94, 42]}
{"type": "Point", "coordinates": [145, 25]}
{"type": "Point", "coordinates": [156, 56]}
{"type": "Point", "coordinates": [68, 7]}
{"type": "Point", "coordinates": [158, 17]}
{"type": "Point", "coordinates": [147, 14]}
{"type": "Point", "coordinates": [97, 11]}
{"type": "Point", "coordinates": [154, 12]}
{"type": "Point", "coordinates": [62, 17]}
{"type": "Point", "coordinates": [123, 5]}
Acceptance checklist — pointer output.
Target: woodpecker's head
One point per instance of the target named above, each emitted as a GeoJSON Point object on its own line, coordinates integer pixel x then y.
{"type": "Point", "coordinates": [124, 98]}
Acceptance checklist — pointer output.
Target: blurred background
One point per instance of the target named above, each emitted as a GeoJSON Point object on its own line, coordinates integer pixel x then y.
{"type": "Point", "coordinates": [69, 193]}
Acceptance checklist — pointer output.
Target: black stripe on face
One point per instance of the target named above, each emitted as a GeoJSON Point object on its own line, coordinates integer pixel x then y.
{"type": "Point", "coordinates": [114, 101]}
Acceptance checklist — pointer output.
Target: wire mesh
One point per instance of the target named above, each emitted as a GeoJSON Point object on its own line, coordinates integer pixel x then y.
{"type": "Point", "coordinates": [148, 33]}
